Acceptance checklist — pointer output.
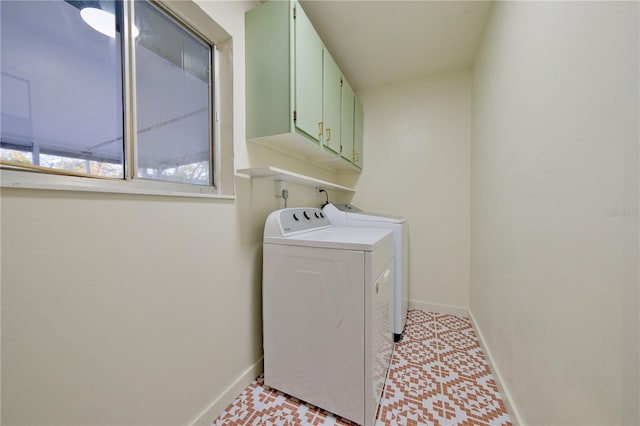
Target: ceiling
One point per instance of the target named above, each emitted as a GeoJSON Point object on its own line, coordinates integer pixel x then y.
{"type": "Point", "coordinates": [381, 42]}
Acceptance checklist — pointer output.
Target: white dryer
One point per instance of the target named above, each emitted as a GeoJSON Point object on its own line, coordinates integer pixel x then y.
{"type": "Point", "coordinates": [351, 216]}
{"type": "Point", "coordinates": [326, 295]}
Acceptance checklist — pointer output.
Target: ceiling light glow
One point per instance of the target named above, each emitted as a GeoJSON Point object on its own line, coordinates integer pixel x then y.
{"type": "Point", "coordinates": [103, 21]}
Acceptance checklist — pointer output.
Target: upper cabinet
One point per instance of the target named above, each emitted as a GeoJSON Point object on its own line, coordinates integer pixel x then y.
{"type": "Point", "coordinates": [308, 77]}
{"type": "Point", "coordinates": [297, 99]}
{"type": "Point", "coordinates": [358, 116]}
{"type": "Point", "coordinates": [331, 103]}
{"type": "Point", "coordinates": [347, 117]}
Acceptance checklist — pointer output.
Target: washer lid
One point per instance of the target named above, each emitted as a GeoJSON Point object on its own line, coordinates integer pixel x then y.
{"type": "Point", "coordinates": [375, 217]}
{"type": "Point", "coordinates": [338, 211]}
{"type": "Point", "coordinates": [334, 237]}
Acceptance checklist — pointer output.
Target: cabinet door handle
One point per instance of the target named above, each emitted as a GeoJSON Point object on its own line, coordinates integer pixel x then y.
{"type": "Point", "coordinates": [320, 129]}
{"type": "Point", "coordinates": [328, 135]}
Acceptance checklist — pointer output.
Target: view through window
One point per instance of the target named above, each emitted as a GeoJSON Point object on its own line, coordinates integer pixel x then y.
{"type": "Point", "coordinates": [63, 103]}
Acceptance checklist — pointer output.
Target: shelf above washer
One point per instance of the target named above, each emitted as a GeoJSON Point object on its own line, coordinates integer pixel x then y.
{"type": "Point", "coordinates": [287, 176]}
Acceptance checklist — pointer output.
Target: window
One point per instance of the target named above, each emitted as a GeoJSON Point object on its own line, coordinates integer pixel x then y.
{"type": "Point", "coordinates": [121, 90]}
{"type": "Point", "coordinates": [173, 100]}
{"type": "Point", "coordinates": [61, 88]}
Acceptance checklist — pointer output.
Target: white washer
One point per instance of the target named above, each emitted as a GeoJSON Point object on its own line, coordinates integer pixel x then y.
{"type": "Point", "coordinates": [348, 215]}
{"type": "Point", "coordinates": [326, 294]}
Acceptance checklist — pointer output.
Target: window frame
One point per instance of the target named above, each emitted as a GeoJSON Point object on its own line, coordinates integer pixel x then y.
{"type": "Point", "coordinates": [192, 18]}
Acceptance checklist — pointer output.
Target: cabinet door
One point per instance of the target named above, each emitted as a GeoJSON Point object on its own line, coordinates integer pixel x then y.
{"type": "Point", "coordinates": [358, 118]}
{"type": "Point", "coordinates": [346, 139]}
{"type": "Point", "coordinates": [331, 107]}
{"type": "Point", "coordinates": [308, 77]}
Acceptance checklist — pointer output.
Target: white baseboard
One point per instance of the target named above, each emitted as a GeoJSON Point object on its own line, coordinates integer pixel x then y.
{"type": "Point", "coordinates": [441, 309]}
{"type": "Point", "coordinates": [508, 400]}
{"type": "Point", "coordinates": [218, 405]}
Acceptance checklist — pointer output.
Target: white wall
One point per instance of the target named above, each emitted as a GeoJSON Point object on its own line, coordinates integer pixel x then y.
{"type": "Point", "coordinates": [124, 309]}
{"type": "Point", "coordinates": [121, 309]}
{"type": "Point", "coordinates": [554, 275]}
{"type": "Point", "coordinates": [416, 158]}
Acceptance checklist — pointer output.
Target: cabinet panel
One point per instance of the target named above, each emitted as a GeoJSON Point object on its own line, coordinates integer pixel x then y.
{"type": "Point", "coordinates": [268, 69]}
{"type": "Point", "coordinates": [357, 133]}
{"type": "Point", "coordinates": [346, 137]}
{"type": "Point", "coordinates": [308, 77]}
{"type": "Point", "coordinates": [331, 103]}
{"type": "Point", "coordinates": [292, 88]}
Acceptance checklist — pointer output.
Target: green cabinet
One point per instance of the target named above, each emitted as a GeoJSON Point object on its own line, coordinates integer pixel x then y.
{"type": "Point", "coordinates": [358, 117]}
{"type": "Point", "coordinates": [308, 76]}
{"type": "Point", "coordinates": [352, 121]}
{"type": "Point", "coordinates": [347, 113]}
{"type": "Point", "coordinates": [294, 89]}
{"type": "Point", "coordinates": [331, 103]}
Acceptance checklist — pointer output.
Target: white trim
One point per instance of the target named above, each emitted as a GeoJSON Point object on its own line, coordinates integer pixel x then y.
{"type": "Point", "coordinates": [508, 399]}
{"type": "Point", "coordinates": [441, 309]}
{"type": "Point", "coordinates": [218, 405]}
{"type": "Point", "coordinates": [33, 180]}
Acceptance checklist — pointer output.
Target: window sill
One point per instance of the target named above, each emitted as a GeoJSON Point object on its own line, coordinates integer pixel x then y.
{"type": "Point", "coordinates": [28, 180]}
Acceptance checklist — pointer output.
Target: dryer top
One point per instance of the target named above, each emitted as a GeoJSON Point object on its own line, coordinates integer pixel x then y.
{"type": "Point", "coordinates": [338, 213]}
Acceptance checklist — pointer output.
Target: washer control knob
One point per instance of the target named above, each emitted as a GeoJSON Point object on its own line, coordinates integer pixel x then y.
{"type": "Point", "coordinates": [306, 215]}
{"type": "Point", "coordinates": [295, 216]}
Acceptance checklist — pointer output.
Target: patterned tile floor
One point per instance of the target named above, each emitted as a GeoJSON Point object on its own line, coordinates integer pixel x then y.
{"type": "Point", "coordinates": [438, 376]}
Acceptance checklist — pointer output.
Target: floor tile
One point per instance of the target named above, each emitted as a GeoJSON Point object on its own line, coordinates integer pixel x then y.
{"type": "Point", "coordinates": [438, 376]}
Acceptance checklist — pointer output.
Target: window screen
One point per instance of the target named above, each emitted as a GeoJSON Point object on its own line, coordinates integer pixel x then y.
{"type": "Point", "coordinates": [173, 98]}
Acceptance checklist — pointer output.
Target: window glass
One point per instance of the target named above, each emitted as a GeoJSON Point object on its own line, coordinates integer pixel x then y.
{"type": "Point", "coordinates": [173, 100]}
{"type": "Point", "coordinates": [61, 87]}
